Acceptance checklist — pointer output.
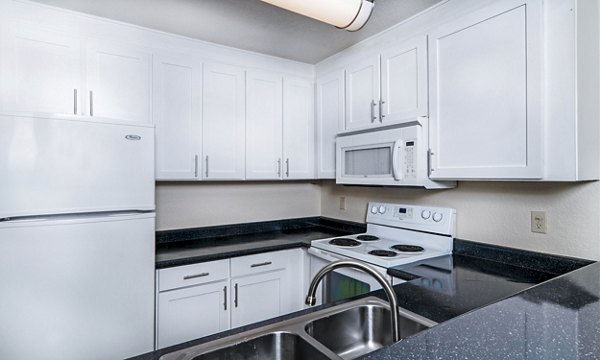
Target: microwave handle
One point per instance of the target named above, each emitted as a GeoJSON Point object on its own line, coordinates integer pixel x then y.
{"type": "Point", "coordinates": [396, 171]}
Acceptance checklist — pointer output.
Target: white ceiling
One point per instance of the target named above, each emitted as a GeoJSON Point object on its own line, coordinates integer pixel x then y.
{"type": "Point", "coordinates": [247, 24]}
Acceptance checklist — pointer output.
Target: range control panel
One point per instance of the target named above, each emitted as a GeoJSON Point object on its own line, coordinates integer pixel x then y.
{"type": "Point", "coordinates": [413, 217]}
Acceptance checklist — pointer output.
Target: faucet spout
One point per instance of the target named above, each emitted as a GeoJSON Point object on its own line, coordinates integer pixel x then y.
{"type": "Point", "coordinates": [387, 288]}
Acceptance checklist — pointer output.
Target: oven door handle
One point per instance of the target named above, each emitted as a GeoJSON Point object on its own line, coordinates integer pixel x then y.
{"type": "Point", "coordinates": [396, 171]}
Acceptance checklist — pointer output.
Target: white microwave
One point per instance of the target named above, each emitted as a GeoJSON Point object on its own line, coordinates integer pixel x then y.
{"type": "Point", "coordinates": [387, 157]}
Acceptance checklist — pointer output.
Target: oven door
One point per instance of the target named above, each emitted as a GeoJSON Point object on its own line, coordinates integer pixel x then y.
{"type": "Point", "coordinates": [341, 283]}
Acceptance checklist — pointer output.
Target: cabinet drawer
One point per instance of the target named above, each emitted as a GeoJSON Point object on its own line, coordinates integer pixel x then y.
{"type": "Point", "coordinates": [253, 264]}
{"type": "Point", "coordinates": [181, 276]}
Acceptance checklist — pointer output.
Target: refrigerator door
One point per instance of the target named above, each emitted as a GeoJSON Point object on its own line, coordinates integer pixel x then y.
{"type": "Point", "coordinates": [56, 166]}
{"type": "Point", "coordinates": [77, 288]}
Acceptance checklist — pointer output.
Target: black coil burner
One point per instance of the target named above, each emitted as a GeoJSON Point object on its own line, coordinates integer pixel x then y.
{"type": "Point", "coordinates": [367, 237]}
{"type": "Point", "coordinates": [382, 253]}
{"type": "Point", "coordinates": [344, 242]}
{"type": "Point", "coordinates": [408, 248]}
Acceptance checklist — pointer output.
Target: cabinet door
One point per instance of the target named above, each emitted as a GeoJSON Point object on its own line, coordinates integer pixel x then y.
{"type": "Point", "coordinates": [330, 120]}
{"type": "Point", "coordinates": [223, 122]}
{"type": "Point", "coordinates": [298, 129]}
{"type": "Point", "coordinates": [264, 132]}
{"type": "Point", "coordinates": [40, 69]}
{"type": "Point", "coordinates": [485, 94]}
{"type": "Point", "coordinates": [362, 94]}
{"type": "Point", "coordinates": [404, 81]}
{"type": "Point", "coordinates": [178, 117]}
{"type": "Point", "coordinates": [257, 297]}
{"type": "Point", "coordinates": [119, 82]}
{"type": "Point", "coordinates": [190, 313]}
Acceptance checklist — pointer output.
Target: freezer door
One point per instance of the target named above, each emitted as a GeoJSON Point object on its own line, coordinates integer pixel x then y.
{"type": "Point", "coordinates": [54, 166]}
{"type": "Point", "coordinates": [77, 288]}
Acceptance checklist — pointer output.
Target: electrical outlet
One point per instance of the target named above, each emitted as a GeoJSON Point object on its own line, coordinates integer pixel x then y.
{"type": "Point", "coordinates": [538, 222]}
{"type": "Point", "coordinates": [342, 203]}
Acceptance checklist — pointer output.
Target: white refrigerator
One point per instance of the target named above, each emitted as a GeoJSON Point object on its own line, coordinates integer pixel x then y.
{"type": "Point", "coordinates": [76, 239]}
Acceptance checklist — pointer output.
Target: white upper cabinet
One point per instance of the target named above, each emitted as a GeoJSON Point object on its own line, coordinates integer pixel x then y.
{"type": "Point", "coordinates": [223, 122]}
{"type": "Point", "coordinates": [298, 129]}
{"type": "Point", "coordinates": [404, 81]}
{"type": "Point", "coordinates": [330, 120]}
{"type": "Point", "coordinates": [362, 94]}
{"type": "Point", "coordinates": [388, 89]}
{"type": "Point", "coordinates": [485, 88]}
{"type": "Point", "coordinates": [178, 117]}
{"type": "Point", "coordinates": [41, 71]}
{"type": "Point", "coordinates": [119, 82]}
{"type": "Point", "coordinates": [264, 128]}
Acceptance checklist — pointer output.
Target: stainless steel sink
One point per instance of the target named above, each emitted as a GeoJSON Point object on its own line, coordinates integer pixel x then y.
{"type": "Point", "coordinates": [276, 345]}
{"type": "Point", "coordinates": [360, 330]}
{"type": "Point", "coordinates": [341, 332]}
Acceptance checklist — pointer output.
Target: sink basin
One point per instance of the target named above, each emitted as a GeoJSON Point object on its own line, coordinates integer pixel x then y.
{"type": "Point", "coordinates": [345, 331]}
{"type": "Point", "coordinates": [359, 330]}
{"type": "Point", "coordinates": [276, 346]}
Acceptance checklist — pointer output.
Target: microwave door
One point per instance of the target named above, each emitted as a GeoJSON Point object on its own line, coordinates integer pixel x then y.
{"type": "Point", "coordinates": [397, 160]}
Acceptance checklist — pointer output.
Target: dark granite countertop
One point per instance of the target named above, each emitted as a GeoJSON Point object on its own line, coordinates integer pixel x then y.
{"type": "Point", "coordinates": [188, 246]}
{"type": "Point", "coordinates": [467, 283]}
{"type": "Point", "coordinates": [475, 275]}
{"type": "Point", "coordinates": [558, 319]}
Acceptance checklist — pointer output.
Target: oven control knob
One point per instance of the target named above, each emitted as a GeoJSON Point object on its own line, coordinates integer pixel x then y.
{"type": "Point", "coordinates": [437, 217]}
{"type": "Point", "coordinates": [425, 214]}
{"type": "Point", "coordinates": [382, 209]}
{"type": "Point", "coordinates": [374, 209]}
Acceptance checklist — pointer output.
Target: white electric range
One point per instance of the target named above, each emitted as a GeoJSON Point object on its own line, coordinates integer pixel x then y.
{"type": "Point", "coordinates": [396, 235]}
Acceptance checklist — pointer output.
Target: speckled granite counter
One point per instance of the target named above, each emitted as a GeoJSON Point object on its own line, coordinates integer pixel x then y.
{"type": "Point", "coordinates": [188, 246]}
{"type": "Point", "coordinates": [558, 319]}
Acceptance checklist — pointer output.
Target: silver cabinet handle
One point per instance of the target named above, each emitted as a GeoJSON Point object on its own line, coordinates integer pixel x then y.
{"type": "Point", "coordinates": [261, 264]}
{"type": "Point", "coordinates": [188, 277]}
{"type": "Point", "coordinates": [225, 298]}
{"type": "Point", "coordinates": [91, 103]}
{"type": "Point", "coordinates": [279, 167]}
{"type": "Point", "coordinates": [196, 166]}
{"type": "Point", "coordinates": [381, 114]}
{"type": "Point", "coordinates": [235, 296]}
{"type": "Point", "coordinates": [287, 167]}
{"type": "Point", "coordinates": [429, 169]}
{"type": "Point", "coordinates": [373, 117]}
{"type": "Point", "coordinates": [75, 101]}
{"type": "Point", "coordinates": [206, 171]}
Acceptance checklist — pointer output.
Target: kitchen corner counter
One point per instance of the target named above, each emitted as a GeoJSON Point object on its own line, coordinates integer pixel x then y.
{"type": "Point", "coordinates": [189, 246]}
{"type": "Point", "coordinates": [475, 275]}
{"type": "Point", "coordinates": [558, 319]}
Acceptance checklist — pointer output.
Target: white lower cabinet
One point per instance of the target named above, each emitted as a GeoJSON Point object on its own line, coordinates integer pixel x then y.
{"type": "Point", "coordinates": [190, 313]}
{"type": "Point", "coordinates": [192, 302]}
{"type": "Point", "coordinates": [257, 297]}
{"type": "Point", "coordinates": [203, 299]}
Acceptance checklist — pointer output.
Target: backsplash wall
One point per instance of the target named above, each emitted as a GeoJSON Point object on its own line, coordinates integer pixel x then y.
{"type": "Point", "coordinates": [187, 205]}
{"type": "Point", "coordinates": [495, 212]}
{"type": "Point", "coordinates": [491, 212]}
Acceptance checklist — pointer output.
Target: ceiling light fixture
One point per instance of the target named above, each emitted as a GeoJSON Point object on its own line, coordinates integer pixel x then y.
{"type": "Point", "coordinates": [351, 15]}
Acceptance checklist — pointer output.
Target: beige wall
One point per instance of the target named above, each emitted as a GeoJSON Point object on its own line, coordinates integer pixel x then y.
{"type": "Point", "coordinates": [496, 213]}
{"type": "Point", "coordinates": [491, 212]}
{"type": "Point", "coordinates": [186, 205]}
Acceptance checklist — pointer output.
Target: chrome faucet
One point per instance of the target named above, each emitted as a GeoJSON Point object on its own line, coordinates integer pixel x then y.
{"type": "Point", "coordinates": [389, 291]}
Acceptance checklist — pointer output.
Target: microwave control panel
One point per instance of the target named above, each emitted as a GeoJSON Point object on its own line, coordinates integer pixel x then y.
{"type": "Point", "coordinates": [410, 159]}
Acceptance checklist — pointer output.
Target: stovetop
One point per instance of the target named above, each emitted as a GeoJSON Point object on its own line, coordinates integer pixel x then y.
{"type": "Point", "coordinates": [397, 235]}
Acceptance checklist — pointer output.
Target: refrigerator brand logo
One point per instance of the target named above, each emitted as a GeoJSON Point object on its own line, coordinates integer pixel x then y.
{"type": "Point", "coordinates": [133, 137]}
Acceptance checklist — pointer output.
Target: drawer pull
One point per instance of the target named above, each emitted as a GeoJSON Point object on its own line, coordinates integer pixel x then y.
{"type": "Point", "coordinates": [225, 298]}
{"type": "Point", "coordinates": [261, 264]}
{"type": "Point", "coordinates": [188, 277]}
